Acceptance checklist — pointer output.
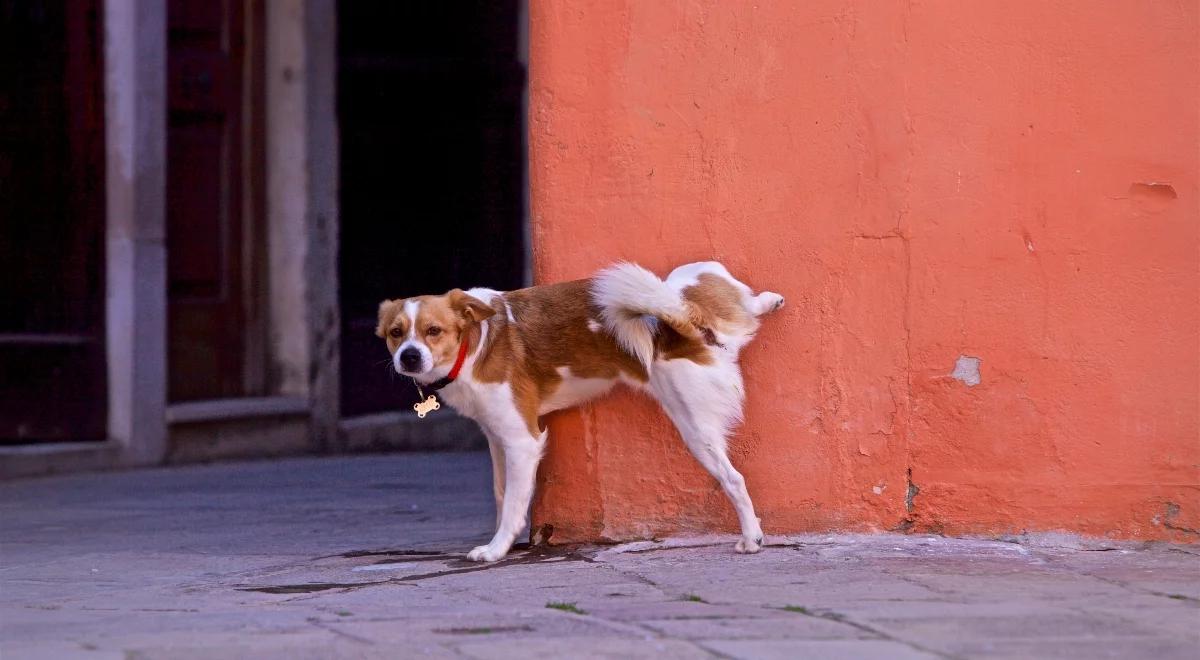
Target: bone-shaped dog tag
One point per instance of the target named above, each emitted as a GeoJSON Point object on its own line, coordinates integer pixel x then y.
{"type": "Point", "coordinates": [424, 407]}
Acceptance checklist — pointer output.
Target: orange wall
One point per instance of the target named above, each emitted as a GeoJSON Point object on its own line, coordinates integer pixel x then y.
{"type": "Point", "coordinates": [923, 181]}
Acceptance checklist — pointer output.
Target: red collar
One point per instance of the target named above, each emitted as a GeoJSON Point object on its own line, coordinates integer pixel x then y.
{"type": "Point", "coordinates": [442, 382]}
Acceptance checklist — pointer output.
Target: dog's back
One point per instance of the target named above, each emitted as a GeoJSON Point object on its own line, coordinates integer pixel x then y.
{"type": "Point", "coordinates": [623, 320]}
{"type": "Point", "coordinates": [550, 328]}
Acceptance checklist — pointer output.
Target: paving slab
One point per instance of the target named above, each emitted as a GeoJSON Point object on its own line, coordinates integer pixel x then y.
{"type": "Point", "coordinates": [364, 557]}
{"type": "Point", "coordinates": [826, 650]}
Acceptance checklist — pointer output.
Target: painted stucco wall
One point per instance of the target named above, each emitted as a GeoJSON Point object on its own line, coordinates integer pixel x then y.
{"type": "Point", "coordinates": [925, 181]}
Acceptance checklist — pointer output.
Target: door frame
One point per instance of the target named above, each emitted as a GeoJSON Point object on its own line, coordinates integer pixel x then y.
{"type": "Point", "coordinates": [298, 191]}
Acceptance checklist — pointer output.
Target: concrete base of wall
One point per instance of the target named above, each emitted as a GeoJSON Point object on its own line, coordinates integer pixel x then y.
{"type": "Point", "coordinates": [238, 428]}
{"type": "Point", "coordinates": [57, 458]}
{"type": "Point", "coordinates": [259, 437]}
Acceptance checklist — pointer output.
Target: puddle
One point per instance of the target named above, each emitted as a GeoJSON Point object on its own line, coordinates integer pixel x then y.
{"type": "Point", "coordinates": [313, 587]}
{"type": "Point", "coordinates": [398, 560]}
{"type": "Point", "coordinates": [529, 555]}
{"type": "Point", "coordinates": [386, 566]}
{"type": "Point", "coordinates": [428, 554]}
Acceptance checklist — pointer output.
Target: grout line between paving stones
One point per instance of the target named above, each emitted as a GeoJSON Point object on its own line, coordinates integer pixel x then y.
{"type": "Point", "coordinates": [641, 627]}
{"type": "Point", "coordinates": [317, 623]}
{"type": "Point", "coordinates": [1062, 565]}
{"type": "Point", "coordinates": [711, 651]}
{"type": "Point", "coordinates": [830, 615]}
{"type": "Point", "coordinates": [915, 582]}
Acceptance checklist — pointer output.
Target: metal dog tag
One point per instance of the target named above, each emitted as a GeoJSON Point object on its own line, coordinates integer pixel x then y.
{"type": "Point", "coordinates": [424, 407]}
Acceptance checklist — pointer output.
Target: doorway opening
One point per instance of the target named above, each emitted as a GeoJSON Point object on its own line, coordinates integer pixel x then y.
{"type": "Point", "coordinates": [431, 122]}
{"type": "Point", "coordinates": [53, 383]}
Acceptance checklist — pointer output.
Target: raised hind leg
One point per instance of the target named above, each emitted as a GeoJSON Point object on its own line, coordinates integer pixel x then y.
{"type": "Point", "coordinates": [689, 275]}
{"type": "Point", "coordinates": [765, 303]}
{"type": "Point", "coordinates": [705, 402]}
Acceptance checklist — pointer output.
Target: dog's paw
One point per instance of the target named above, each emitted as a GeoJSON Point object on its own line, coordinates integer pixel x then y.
{"type": "Point", "coordinates": [769, 301]}
{"type": "Point", "coordinates": [484, 553]}
{"type": "Point", "coordinates": [747, 546]}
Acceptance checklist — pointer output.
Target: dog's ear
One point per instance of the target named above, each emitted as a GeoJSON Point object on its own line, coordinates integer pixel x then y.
{"type": "Point", "coordinates": [387, 313]}
{"type": "Point", "coordinates": [470, 307]}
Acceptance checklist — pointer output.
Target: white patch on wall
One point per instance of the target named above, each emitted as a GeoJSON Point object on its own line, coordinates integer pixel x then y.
{"type": "Point", "coordinates": [966, 369]}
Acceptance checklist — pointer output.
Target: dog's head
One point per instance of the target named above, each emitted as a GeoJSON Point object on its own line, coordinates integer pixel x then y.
{"type": "Point", "coordinates": [423, 333]}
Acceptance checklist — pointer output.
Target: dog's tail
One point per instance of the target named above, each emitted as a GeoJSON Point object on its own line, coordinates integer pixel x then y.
{"type": "Point", "coordinates": [631, 299]}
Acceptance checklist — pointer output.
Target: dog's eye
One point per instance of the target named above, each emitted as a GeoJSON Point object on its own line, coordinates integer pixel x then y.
{"type": "Point", "coordinates": [396, 332]}
{"type": "Point", "coordinates": [433, 331]}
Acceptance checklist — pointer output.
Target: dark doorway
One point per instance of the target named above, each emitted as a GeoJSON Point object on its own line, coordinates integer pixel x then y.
{"type": "Point", "coordinates": [212, 265]}
{"type": "Point", "coordinates": [52, 369]}
{"type": "Point", "coordinates": [432, 140]}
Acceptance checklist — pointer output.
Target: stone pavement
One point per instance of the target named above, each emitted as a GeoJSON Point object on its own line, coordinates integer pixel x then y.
{"type": "Point", "coordinates": [361, 557]}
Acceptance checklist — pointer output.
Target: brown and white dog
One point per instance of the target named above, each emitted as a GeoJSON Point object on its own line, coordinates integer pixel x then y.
{"type": "Point", "coordinates": [506, 358]}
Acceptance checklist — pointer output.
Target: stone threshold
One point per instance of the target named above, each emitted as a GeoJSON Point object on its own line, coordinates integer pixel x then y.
{"type": "Point", "coordinates": [442, 430]}
{"type": "Point", "coordinates": [216, 410]}
{"type": "Point", "coordinates": [247, 428]}
{"type": "Point", "coordinates": [49, 458]}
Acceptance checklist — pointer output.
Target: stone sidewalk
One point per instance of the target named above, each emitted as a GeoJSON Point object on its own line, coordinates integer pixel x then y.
{"type": "Point", "coordinates": [361, 557]}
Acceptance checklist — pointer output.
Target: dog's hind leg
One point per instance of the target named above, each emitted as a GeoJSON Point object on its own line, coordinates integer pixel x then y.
{"type": "Point", "coordinates": [765, 303]}
{"type": "Point", "coordinates": [705, 403]}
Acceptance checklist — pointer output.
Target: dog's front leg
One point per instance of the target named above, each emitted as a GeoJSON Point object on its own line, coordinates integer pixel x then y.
{"type": "Point", "coordinates": [521, 454]}
{"type": "Point", "coordinates": [497, 452]}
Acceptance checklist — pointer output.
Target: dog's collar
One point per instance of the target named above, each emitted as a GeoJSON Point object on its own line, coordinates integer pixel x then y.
{"type": "Point", "coordinates": [442, 382]}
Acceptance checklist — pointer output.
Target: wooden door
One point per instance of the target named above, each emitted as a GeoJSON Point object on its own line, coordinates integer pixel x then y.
{"type": "Point", "coordinates": [52, 371]}
{"type": "Point", "coordinates": [207, 243]}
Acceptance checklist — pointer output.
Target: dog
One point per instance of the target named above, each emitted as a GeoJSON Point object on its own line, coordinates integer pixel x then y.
{"type": "Point", "coordinates": [504, 359]}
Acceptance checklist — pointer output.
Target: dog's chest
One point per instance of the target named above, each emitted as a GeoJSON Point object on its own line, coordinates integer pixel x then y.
{"type": "Point", "coordinates": [478, 400]}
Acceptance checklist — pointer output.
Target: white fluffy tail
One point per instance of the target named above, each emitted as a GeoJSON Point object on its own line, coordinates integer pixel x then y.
{"type": "Point", "coordinates": [630, 298]}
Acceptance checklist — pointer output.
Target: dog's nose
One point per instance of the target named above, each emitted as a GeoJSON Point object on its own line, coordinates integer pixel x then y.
{"type": "Point", "coordinates": [410, 359]}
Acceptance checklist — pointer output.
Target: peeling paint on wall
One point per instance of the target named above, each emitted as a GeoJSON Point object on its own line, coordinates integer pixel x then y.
{"type": "Point", "coordinates": [966, 369]}
{"type": "Point", "coordinates": [1153, 189]}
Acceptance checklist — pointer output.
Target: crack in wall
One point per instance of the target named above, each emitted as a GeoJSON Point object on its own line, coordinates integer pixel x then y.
{"type": "Point", "coordinates": [1167, 520]}
{"type": "Point", "coordinates": [910, 492]}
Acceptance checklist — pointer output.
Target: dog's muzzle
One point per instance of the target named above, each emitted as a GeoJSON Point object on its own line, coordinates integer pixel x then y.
{"type": "Point", "coordinates": [411, 359]}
